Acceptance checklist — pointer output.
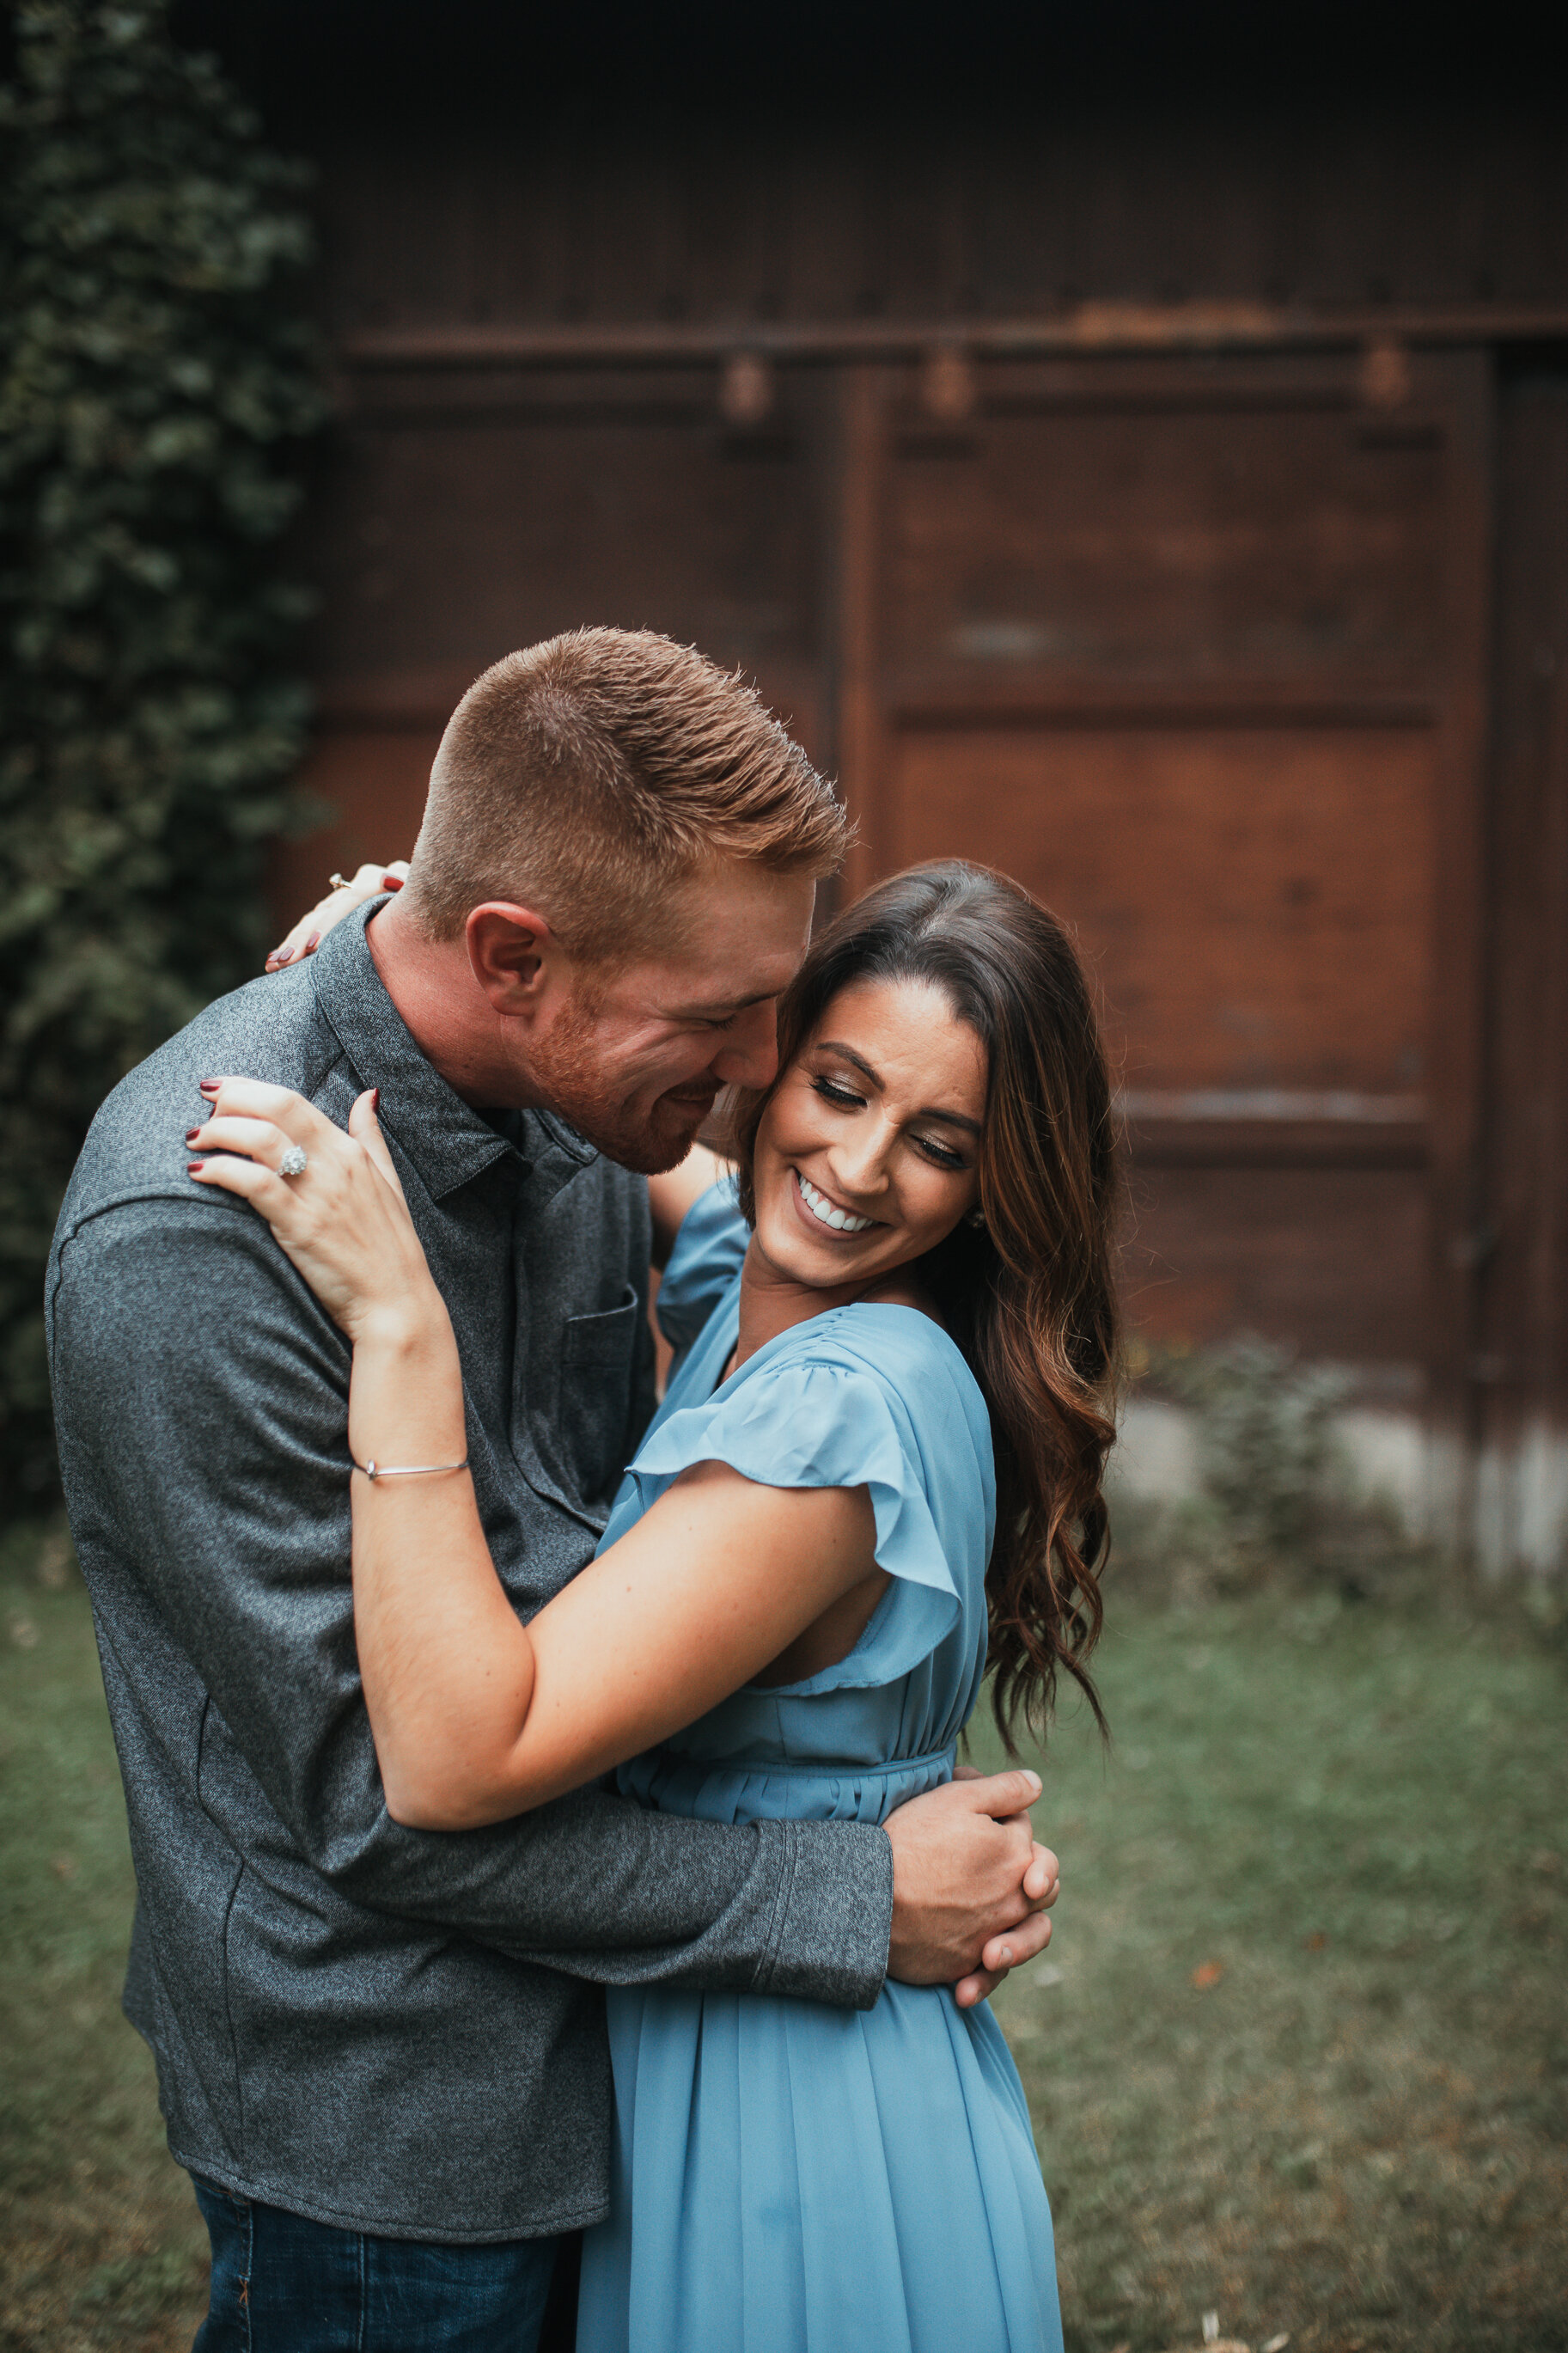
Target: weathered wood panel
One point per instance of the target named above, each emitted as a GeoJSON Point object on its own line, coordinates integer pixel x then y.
{"type": "Point", "coordinates": [1196, 649]}
{"type": "Point", "coordinates": [1255, 903]}
{"type": "Point", "coordinates": [629, 217]}
{"type": "Point", "coordinates": [1520, 1367]}
{"type": "Point", "coordinates": [1332, 1260]}
{"type": "Point", "coordinates": [1128, 545]}
{"type": "Point", "coordinates": [460, 522]}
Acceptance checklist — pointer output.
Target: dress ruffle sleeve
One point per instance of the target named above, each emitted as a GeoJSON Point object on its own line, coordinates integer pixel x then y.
{"type": "Point", "coordinates": [809, 1413]}
{"type": "Point", "coordinates": [706, 1260]}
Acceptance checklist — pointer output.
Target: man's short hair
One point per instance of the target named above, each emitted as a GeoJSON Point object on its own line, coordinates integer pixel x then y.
{"type": "Point", "coordinates": [584, 775]}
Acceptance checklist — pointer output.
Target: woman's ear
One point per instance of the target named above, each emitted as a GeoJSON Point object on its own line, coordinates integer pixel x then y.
{"type": "Point", "coordinates": [515, 956]}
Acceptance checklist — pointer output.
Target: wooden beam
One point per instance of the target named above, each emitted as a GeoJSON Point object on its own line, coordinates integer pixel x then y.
{"type": "Point", "coordinates": [1460, 1239]}
{"type": "Point", "coordinates": [859, 716]}
{"type": "Point", "coordinates": [1094, 328]}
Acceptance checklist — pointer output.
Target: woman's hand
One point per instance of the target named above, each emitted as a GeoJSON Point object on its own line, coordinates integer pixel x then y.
{"type": "Point", "coordinates": [310, 930]}
{"type": "Point", "coordinates": [342, 1221]}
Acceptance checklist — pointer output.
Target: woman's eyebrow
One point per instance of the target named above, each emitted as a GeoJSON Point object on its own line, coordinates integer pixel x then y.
{"type": "Point", "coordinates": [948, 1118]}
{"type": "Point", "coordinates": [836, 1046]}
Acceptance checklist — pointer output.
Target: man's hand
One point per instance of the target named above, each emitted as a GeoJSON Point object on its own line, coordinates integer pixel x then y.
{"type": "Point", "coordinates": [971, 1886]}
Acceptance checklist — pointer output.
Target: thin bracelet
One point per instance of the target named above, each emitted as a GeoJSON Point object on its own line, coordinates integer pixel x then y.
{"type": "Point", "coordinates": [408, 1470]}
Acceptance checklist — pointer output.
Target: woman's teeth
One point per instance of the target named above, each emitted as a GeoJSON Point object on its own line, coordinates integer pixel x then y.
{"type": "Point", "coordinates": [823, 1211]}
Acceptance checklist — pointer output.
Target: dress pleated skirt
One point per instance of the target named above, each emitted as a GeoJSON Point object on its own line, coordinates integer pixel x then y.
{"type": "Point", "coordinates": [813, 2180]}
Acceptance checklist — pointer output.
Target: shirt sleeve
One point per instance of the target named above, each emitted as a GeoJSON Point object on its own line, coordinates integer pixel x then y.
{"type": "Point", "coordinates": [811, 1420]}
{"type": "Point", "coordinates": [202, 1398]}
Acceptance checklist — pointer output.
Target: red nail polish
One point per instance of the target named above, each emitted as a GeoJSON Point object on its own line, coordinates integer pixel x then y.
{"type": "Point", "coordinates": [375, 1099]}
{"type": "Point", "coordinates": [210, 1086]}
{"type": "Point", "coordinates": [392, 882]}
{"type": "Point", "coordinates": [311, 942]}
{"type": "Point", "coordinates": [192, 1133]}
{"type": "Point", "coordinates": [194, 1167]}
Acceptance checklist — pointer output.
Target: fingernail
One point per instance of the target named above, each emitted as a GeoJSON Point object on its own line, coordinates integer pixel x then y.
{"type": "Point", "coordinates": [375, 1099]}
{"type": "Point", "coordinates": [192, 1133]}
{"type": "Point", "coordinates": [392, 882]}
{"type": "Point", "coordinates": [210, 1086]}
{"type": "Point", "coordinates": [1008, 1956]}
{"type": "Point", "coordinates": [310, 942]}
{"type": "Point", "coordinates": [194, 1167]}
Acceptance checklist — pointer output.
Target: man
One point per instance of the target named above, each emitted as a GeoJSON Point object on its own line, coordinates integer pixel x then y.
{"type": "Point", "coordinates": [381, 2052]}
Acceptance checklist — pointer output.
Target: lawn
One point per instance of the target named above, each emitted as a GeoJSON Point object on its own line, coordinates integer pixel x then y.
{"type": "Point", "coordinates": [1297, 2057]}
{"type": "Point", "coordinates": [1299, 2053]}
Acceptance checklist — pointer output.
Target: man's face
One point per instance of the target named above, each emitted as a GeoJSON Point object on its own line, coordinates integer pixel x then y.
{"type": "Point", "coordinates": [636, 1061]}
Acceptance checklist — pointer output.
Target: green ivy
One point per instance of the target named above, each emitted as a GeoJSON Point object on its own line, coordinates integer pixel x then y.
{"type": "Point", "coordinates": [157, 373]}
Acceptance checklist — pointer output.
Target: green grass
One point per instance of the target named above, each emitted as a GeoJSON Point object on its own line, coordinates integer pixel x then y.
{"type": "Point", "coordinates": [100, 2243]}
{"type": "Point", "coordinates": [1356, 2133]}
{"type": "Point", "coordinates": [1299, 2052]}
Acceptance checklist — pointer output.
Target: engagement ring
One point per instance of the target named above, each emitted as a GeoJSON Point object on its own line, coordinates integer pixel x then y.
{"type": "Point", "coordinates": [295, 1161]}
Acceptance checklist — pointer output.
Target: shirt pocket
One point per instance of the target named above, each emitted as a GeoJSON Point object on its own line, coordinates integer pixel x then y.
{"type": "Point", "coordinates": [598, 1358]}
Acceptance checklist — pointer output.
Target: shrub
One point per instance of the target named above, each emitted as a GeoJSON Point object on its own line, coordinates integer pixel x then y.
{"type": "Point", "coordinates": [156, 375]}
{"type": "Point", "coordinates": [1266, 1441]}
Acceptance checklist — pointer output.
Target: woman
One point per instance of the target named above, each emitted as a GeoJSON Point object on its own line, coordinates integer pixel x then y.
{"type": "Point", "coordinates": [877, 1468]}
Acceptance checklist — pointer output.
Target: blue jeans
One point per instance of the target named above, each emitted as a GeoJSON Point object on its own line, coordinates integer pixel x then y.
{"type": "Point", "coordinates": [283, 2285]}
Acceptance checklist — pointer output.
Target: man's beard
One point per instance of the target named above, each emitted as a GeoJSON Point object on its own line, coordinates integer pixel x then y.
{"type": "Point", "coordinates": [560, 1066]}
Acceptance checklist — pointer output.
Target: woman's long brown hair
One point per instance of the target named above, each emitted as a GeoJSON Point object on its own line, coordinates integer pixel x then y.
{"type": "Point", "coordinates": [1029, 1297]}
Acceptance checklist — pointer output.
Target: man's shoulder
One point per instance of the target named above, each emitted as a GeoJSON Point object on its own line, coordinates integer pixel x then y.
{"type": "Point", "coordinates": [271, 1029]}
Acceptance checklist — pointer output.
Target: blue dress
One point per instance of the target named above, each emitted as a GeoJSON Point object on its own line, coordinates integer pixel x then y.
{"type": "Point", "coordinates": [790, 2177]}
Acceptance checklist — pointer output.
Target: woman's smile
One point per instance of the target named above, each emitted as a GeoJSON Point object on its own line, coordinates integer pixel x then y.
{"type": "Point", "coordinates": [823, 1211]}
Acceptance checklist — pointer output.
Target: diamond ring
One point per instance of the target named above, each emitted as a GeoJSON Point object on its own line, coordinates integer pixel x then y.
{"type": "Point", "coordinates": [295, 1161]}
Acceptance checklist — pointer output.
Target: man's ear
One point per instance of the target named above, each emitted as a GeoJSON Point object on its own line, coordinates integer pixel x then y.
{"type": "Point", "coordinates": [515, 956]}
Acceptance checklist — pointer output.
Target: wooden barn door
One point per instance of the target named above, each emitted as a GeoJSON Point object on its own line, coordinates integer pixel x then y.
{"type": "Point", "coordinates": [469, 511]}
{"type": "Point", "coordinates": [1195, 648]}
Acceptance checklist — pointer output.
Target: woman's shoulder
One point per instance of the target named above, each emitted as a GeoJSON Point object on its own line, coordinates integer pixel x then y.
{"type": "Point", "coordinates": [903, 1351]}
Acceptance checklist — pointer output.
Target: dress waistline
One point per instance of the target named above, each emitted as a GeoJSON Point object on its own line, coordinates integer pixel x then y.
{"type": "Point", "coordinates": [821, 1769]}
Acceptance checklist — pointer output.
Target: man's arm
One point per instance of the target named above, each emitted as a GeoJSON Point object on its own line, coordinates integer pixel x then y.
{"type": "Point", "coordinates": [202, 1398]}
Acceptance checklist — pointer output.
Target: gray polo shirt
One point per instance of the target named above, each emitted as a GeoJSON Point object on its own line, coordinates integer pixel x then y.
{"type": "Point", "coordinates": [392, 2029]}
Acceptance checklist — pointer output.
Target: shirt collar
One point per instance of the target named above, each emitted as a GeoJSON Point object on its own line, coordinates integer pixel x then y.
{"type": "Point", "coordinates": [446, 1141]}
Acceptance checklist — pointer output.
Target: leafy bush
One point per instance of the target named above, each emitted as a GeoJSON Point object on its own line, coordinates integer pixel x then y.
{"type": "Point", "coordinates": [1274, 1492]}
{"type": "Point", "coordinates": [156, 375]}
{"type": "Point", "coordinates": [1266, 1440]}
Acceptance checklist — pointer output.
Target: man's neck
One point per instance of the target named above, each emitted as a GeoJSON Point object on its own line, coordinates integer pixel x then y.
{"type": "Point", "coordinates": [445, 1012]}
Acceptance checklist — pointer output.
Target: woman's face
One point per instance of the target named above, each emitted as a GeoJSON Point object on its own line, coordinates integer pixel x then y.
{"type": "Point", "coordinates": [867, 1154]}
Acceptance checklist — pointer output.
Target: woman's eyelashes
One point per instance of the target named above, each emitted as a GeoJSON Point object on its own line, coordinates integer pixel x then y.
{"type": "Point", "coordinates": [844, 1098]}
{"type": "Point", "coordinates": [835, 1091]}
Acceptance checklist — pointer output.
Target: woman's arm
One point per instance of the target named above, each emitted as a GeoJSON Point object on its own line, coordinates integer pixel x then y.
{"type": "Point", "coordinates": [476, 1717]}
{"type": "Point", "coordinates": [672, 1195]}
